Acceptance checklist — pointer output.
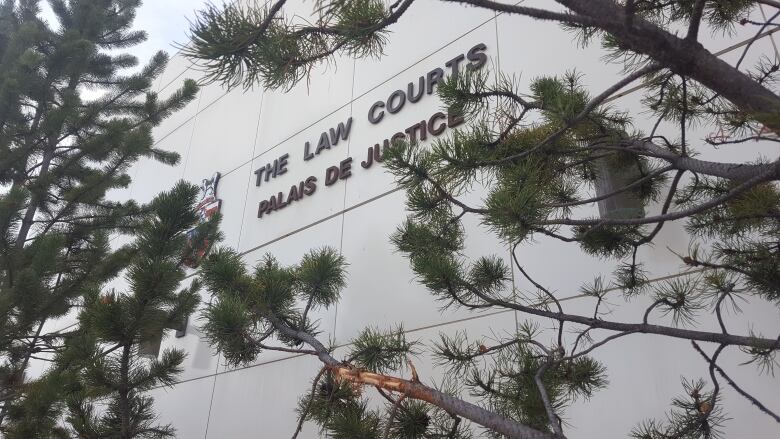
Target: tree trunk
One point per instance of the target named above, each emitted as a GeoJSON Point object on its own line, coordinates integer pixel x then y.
{"type": "Point", "coordinates": [124, 393]}
{"type": "Point", "coordinates": [32, 209]}
{"type": "Point", "coordinates": [684, 57]}
{"type": "Point", "coordinates": [732, 171]}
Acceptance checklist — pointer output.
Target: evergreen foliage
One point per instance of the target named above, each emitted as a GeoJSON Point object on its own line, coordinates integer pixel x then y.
{"type": "Point", "coordinates": [243, 46]}
{"type": "Point", "coordinates": [110, 399]}
{"type": "Point", "coordinates": [96, 387]}
{"type": "Point", "coordinates": [252, 309]}
{"type": "Point", "coordinates": [76, 112]}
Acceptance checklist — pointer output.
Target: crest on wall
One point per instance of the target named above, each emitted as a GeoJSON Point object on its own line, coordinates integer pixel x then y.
{"type": "Point", "coordinates": [207, 207]}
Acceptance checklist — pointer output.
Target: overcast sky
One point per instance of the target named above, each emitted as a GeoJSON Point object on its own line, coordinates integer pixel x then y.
{"type": "Point", "coordinates": [165, 21]}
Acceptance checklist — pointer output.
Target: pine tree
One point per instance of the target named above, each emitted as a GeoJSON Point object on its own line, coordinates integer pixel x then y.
{"type": "Point", "coordinates": [107, 397]}
{"type": "Point", "coordinates": [97, 384]}
{"type": "Point", "coordinates": [547, 152]}
{"type": "Point", "coordinates": [75, 114]}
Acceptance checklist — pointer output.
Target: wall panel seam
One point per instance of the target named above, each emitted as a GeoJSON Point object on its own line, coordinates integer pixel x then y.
{"type": "Point", "coordinates": [438, 325]}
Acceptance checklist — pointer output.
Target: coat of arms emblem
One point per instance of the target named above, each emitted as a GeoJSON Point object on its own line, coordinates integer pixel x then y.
{"type": "Point", "coordinates": [208, 206]}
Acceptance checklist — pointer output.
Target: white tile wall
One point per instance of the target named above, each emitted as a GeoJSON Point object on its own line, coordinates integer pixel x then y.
{"type": "Point", "coordinates": [185, 407]}
{"type": "Point", "coordinates": [201, 359]}
{"type": "Point", "coordinates": [368, 183]}
{"type": "Point", "coordinates": [240, 409]}
{"type": "Point", "coordinates": [324, 202]}
{"type": "Point", "coordinates": [382, 290]}
{"type": "Point", "coordinates": [237, 132]}
{"type": "Point", "coordinates": [224, 143]}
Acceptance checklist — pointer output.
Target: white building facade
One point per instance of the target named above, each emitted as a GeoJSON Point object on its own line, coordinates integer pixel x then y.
{"type": "Point", "coordinates": [264, 143]}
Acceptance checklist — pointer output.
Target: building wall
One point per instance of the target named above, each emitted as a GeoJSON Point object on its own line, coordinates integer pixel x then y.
{"type": "Point", "coordinates": [235, 132]}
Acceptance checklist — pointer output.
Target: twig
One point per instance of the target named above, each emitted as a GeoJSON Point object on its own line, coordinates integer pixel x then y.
{"type": "Point", "coordinates": [389, 423]}
{"type": "Point", "coordinates": [556, 426]}
{"type": "Point", "coordinates": [545, 290]}
{"type": "Point", "coordinates": [754, 39]}
{"type": "Point", "coordinates": [734, 385]}
{"type": "Point", "coordinates": [595, 102]}
{"type": "Point", "coordinates": [290, 350]}
{"type": "Point", "coordinates": [305, 412]}
{"type": "Point", "coordinates": [768, 175]}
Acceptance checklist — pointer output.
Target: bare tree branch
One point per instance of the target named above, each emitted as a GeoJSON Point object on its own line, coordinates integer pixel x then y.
{"type": "Point", "coordinates": [305, 411]}
{"type": "Point", "coordinates": [734, 385]}
{"type": "Point", "coordinates": [555, 422]}
{"type": "Point", "coordinates": [686, 334]}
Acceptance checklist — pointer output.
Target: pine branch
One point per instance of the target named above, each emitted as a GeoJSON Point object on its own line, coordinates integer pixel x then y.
{"type": "Point", "coordinates": [540, 14]}
{"type": "Point", "coordinates": [411, 389]}
{"type": "Point", "coordinates": [304, 413]}
{"type": "Point", "coordinates": [734, 385]}
{"type": "Point", "coordinates": [555, 421]}
{"type": "Point", "coordinates": [686, 334]}
{"type": "Point", "coordinates": [288, 350]}
{"type": "Point", "coordinates": [391, 416]}
{"type": "Point", "coordinates": [681, 56]}
{"type": "Point", "coordinates": [695, 20]}
{"type": "Point", "coordinates": [770, 173]}
{"type": "Point", "coordinates": [585, 113]}
{"type": "Point", "coordinates": [632, 185]}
